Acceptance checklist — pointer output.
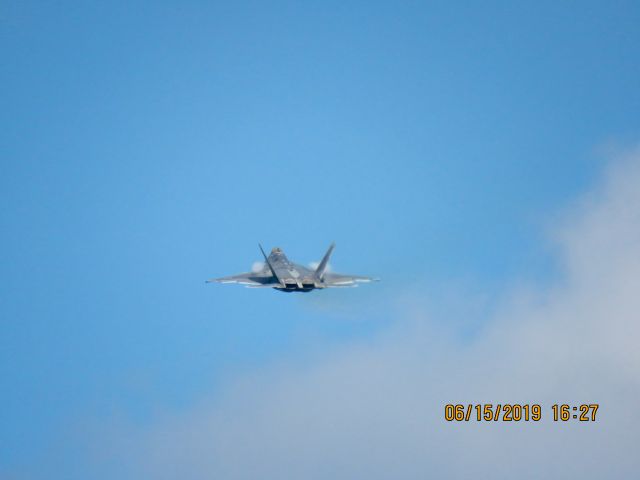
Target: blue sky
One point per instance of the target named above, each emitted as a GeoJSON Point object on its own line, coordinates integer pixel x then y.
{"type": "Point", "coordinates": [149, 146]}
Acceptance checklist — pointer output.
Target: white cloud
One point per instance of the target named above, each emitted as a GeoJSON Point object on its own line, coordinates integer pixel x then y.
{"type": "Point", "coordinates": [257, 267]}
{"type": "Point", "coordinates": [374, 410]}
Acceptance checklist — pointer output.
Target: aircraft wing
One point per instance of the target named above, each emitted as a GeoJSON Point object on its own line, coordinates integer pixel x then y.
{"type": "Point", "coordinates": [254, 279]}
{"type": "Point", "coordinates": [340, 280]}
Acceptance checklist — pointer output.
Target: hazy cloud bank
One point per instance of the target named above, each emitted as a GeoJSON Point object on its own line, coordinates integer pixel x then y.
{"type": "Point", "coordinates": [374, 409]}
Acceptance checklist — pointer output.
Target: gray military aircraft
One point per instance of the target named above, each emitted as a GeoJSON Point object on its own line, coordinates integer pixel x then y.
{"type": "Point", "coordinates": [280, 273]}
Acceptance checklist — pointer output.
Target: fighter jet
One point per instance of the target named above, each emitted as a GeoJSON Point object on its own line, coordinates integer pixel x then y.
{"type": "Point", "coordinates": [280, 273]}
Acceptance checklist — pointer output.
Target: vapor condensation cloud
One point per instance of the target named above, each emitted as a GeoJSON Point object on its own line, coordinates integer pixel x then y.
{"type": "Point", "coordinates": [374, 409]}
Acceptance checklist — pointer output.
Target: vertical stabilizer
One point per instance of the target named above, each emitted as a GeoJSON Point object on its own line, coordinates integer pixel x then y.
{"type": "Point", "coordinates": [323, 264]}
{"type": "Point", "coordinates": [273, 271]}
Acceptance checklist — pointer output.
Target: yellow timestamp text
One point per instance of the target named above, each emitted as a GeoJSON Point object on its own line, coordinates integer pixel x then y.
{"type": "Point", "coordinates": [516, 412]}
